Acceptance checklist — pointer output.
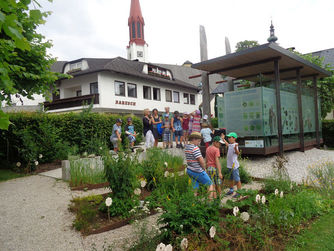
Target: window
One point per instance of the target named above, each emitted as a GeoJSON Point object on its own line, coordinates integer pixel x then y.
{"type": "Point", "coordinates": [147, 92]}
{"type": "Point", "coordinates": [156, 94]}
{"type": "Point", "coordinates": [94, 88]}
{"type": "Point", "coordinates": [138, 30]}
{"type": "Point", "coordinates": [75, 66]}
{"type": "Point", "coordinates": [186, 98]}
{"type": "Point", "coordinates": [56, 96]}
{"type": "Point", "coordinates": [139, 54]}
{"type": "Point", "coordinates": [132, 90]}
{"type": "Point", "coordinates": [192, 99]}
{"type": "Point", "coordinates": [133, 30]}
{"type": "Point", "coordinates": [119, 88]}
{"type": "Point", "coordinates": [79, 93]}
{"type": "Point", "coordinates": [176, 97]}
{"type": "Point", "coordinates": [168, 96]}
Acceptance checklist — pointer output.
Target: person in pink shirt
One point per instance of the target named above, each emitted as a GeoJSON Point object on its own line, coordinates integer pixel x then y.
{"type": "Point", "coordinates": [196, 124]}
{"type": "Point", "coordinates": [185, 127]}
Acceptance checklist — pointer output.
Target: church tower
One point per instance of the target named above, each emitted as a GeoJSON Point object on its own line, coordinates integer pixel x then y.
{"type": "Point", "coordinates": [137, 48]}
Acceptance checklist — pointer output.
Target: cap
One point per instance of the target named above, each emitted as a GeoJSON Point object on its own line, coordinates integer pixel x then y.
{"type": "Point", "coordinates": [129, 119]}
{"type": "Point", "coordinates": [185, 113]}
{"type": "Point", "coordinates": [198, 112]}
{"type": "Point", "coordinates": [195, 135]}
{"type": "Point", "coordinates": [205, 116]}
{"type": "Point", "coordinates": [119, 121]}
{"type": "Point", "coordinates": [232, 134]}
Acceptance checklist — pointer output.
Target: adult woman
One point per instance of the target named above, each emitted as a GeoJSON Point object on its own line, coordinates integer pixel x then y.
{"type": "Point", "coordinates": [155, 120]}
{"type": "Point", "coordinates": [148, 129]}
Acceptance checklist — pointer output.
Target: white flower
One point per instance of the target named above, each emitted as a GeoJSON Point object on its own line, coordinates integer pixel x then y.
{"type": "Point", "coordinates": [281, 194]}
{"type": "Point", "coordinates": [235, 211]}
{"type": "Point", "coordinates": [161, 247]}
{"type": "Point", "coordinates": [181, 173]}
{"type": "Point", "coordinates": [212, 232]}
{"type": "Point", "coordinates": [166, 164]}
{"type": "Point", "coordinates": [166, 174]}
{"type": "Point", "coordinates": [184, 244]}
{"type": "Point", "coordinates": [132, 211]}
{"type": "Point", "coordinates": [244, 216]}
{"type": "Point", "coordinates": [172, 175]}
{"type": "Point", "coordinates": [169, 247]}
{"type": "Point", "coordinates": [108, 202]}
{"type": "Point", "coordinates": [85, 154]}
{"type": "Point", "coordinates": [36, 163]}
{"type": "Point", "coordinates": [40, 156]}
{"type": "Point", "coordinates": [181, 226]}
{"type": "Point", "coordinates": [143, 183]}
{"type": "Point", "coordinates": [263, 200]}
{"type": "Point", "coordinates": [100, 147]}
{"type": "Point", "coordinates": [159, 209]}
{"type": "Point", "coordinates": [276, 192]}
{"type": "Point", "coordinates": [258, 198]}
{"type": "Point", "coordinates": [18, 164]}
{"type": "Point", "coordinates": [137, 191]}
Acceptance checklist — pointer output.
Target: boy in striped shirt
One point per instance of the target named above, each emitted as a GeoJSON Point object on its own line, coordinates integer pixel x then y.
{"type": "Point", "coordinates": [196, 163]}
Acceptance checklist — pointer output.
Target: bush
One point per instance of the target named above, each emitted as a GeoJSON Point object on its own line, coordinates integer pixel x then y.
{"type": "Point", "coordinates": [244, 175]}
{"type": "Point", "coordinates": [31, 134]}
{"type": "Point", "coordinates": [328, 132]}
{"type": "Point", "coordinates": [214, 122]}
{"type": "Point", "coordinates": [321, 178]}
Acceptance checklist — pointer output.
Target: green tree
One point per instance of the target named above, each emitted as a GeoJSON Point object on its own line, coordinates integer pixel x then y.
{"type": "Point", "coordinates": [325, 85]}
{"type": "Point", "coordinates": [243, 45]}
{"type": "Point", "coordinates": [24, 62]}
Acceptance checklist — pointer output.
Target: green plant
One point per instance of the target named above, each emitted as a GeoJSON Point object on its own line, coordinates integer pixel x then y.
{"type": "Point", "coordinates": [328, 132]}
{"type": "Point", "coordinates": [321, 178]}
{"type": "Point", "coordinates": [86, 171]}
{"type": "Point", "coordinates": [9, 174]}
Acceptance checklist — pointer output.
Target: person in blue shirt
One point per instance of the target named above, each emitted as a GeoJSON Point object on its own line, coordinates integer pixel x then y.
{"type": "Point", "coordinates": [130, 131]}
{"type": "Point", "coordinates": [115, 137]}
{"type": "Point", "coordinates": [177, 129]}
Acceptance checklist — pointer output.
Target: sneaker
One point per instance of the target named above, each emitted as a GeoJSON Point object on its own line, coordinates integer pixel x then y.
{"type": "Point", "coordinates": [171, 146]}
{"type": "Point", "coordinates": [237, 195]}
{"type": "Point", "coordinates": [229, 192]}
{"type": "Point", "coordinates": [178, 146]}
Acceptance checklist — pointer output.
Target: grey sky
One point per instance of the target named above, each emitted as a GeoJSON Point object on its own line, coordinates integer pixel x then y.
{"type": "Point", "coordinates": [98, 28]}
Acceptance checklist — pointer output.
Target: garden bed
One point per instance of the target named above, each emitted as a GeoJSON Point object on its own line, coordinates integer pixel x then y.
{"type": "Point", "coordinates": [86, 187]}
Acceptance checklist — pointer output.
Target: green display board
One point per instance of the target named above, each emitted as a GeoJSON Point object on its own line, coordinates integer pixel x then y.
{"type": "Point", "coordinates": [252, 112]}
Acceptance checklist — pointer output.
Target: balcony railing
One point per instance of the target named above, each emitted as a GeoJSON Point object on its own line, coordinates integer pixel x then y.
{"type": "Point", "coordinates": [72, 102]}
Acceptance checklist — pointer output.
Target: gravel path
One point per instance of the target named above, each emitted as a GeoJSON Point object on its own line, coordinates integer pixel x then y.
{"type": "Point", "coordinates": [297, 166]}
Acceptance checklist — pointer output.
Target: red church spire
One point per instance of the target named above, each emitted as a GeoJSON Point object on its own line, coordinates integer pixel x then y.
{"type": "Point", "coordinates": [136, 24]}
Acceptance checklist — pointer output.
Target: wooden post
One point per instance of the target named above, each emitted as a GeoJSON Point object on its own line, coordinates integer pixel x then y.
{"type": "Point", "coordinates": [278, 106]}
{"type": "Point", "coordinates": [317, 133]}
{"type": "Point", "coordinates": [300, 110]}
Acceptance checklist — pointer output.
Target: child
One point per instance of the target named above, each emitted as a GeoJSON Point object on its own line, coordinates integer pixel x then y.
{"type": "Point", "coordinates": [196, 164]}
{"type": "Point", "coordinates": [166, 125]}
{"type": "Point", "coordinates": [196, 123]}
{"type": "Point", "coordinates": [206, 133]}
{"type": "Point", "coordinates": [232, 162]}
{"type": "Point", "coordinates": [185, 127]}
{"type": "Point", "coordinates": [115, 137]}
{"type": "Point", "coordinates": [130, 131]}
{"type": "Point", "coordinates": [177, 129]}
{"type": "Point", "coordinates": [213, 165]}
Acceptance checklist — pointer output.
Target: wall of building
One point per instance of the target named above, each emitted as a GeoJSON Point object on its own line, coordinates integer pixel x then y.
{"type": "Point", "coordinates": [68, 87]}
{"type": "Point", "coordinates": [108, 99]}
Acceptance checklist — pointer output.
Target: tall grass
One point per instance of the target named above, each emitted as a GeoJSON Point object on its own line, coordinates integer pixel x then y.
{"type": "Point", "coordinates": [86, 171]}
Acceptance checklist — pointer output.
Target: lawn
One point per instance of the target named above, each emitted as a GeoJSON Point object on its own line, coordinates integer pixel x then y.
{"type": "Point", "coordinates": [320, 236]}
{"type": "Point", "coordinates": [6, 174]}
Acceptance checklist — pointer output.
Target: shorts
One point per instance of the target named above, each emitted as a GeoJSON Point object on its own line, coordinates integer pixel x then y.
{"type": "Point", "coordinates": [213, 173]}
{"type": "Point", "coordinates": [197, 178]}
{"type": "Point", "coordinates": [114, 141]}
{"type": "Point", "coordinates": [178, 133]}
{"type": "Point", "coordinates": [234, 174]}
{"type": "Point", "coordinates": [185, 132]}
{"type": "Point", "coordinates": [166, 136]}
{"type": "Point", "coordinates": [131, 138]}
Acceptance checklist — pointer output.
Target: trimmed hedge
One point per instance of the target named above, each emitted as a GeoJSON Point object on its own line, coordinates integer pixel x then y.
{"type": "Point", "coordinates": [328, 132]}
{"type": "Point", "coordinates": [54, 136]}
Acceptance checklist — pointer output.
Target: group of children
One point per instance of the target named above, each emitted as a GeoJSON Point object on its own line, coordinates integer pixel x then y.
{"type": "Point", "coordinates": [209, 172]}
{"type": "Point", "coordinates": [115, 137]}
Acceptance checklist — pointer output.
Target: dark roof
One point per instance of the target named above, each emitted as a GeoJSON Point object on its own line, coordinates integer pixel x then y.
{"type": "Point", "coordinates": [187, 62]}
{"type": "Point", "coordinates": [183, 73]}
{"type": "Point", "coordinates": [127, 67]}
{"type": "Point", "coordinates": [248, 64]}
{"type": "Point", "coordinates": [58, 66]}
{"type": "Point", "coordinates": [328, 56]}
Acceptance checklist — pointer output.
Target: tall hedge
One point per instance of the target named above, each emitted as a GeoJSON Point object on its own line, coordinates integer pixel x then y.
{"type": "Point", "coordinates": [52, 135]}
{"type": "Point", "coordinates": [328, 132]}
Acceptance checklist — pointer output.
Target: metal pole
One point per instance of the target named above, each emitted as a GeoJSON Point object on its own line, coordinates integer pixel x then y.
{"type": "Point", "coordinates": [300, 110]}
{"type": "Point", "coordinates": [316, 111]}
{"type": "Point", "coordinates": [278, 106]}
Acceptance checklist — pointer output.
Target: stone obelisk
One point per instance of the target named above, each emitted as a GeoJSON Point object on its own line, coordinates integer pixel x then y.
{"type": "Point", "coordinates": [205, 76]}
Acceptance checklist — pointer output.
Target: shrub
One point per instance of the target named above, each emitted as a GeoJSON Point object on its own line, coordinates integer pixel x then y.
{"type": "Point", "coordinates": [321, 178]}
{"type": "Point", "coordinates": [328, 132]}
{"type": "Point", "coordinates": [52, 134]}
{"type": "Point", "coordinates": [214, 122]}
{"type": "Point", "coordinates": [244, 175]}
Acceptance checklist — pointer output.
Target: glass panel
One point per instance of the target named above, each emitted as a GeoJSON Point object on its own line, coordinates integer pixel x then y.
{"type": "Point", "coordinates": [192, 99]}
{"type": "Point", "coordinates": [156, 94]}
{"type": "Point", "coordinates": [147, 92]}
{"type": "Point", "coordinates": [119, 88]}
{"type": "Point", "coordinates": [79, 93]}
{"type": "Point", "coordinates": [94, 89]}
{"type": "Point", "coordinates": [138, 30]}
{"type": "Point", "coordinates": [186, 98]}
{"type": "Point", "coordinates": [133, 30]}
{"type": "Point", "coordinates": [132, 90]}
